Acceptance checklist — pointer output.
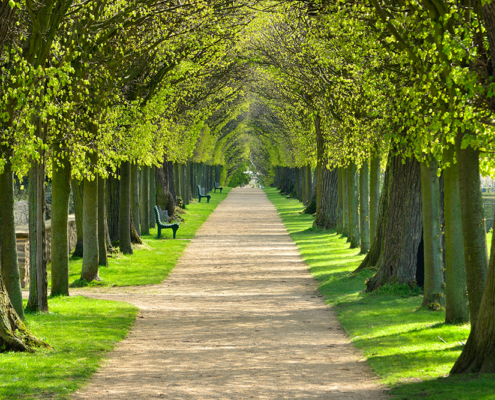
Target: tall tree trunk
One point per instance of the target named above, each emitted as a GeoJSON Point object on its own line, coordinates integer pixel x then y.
{"type": "Point", "coordinates": [61, 171]}
{"type": "Point", "coordinates": [432, 235]}
{"type": "Point", "coordinates": [152, 195]}
{"type": "Point", "coordinates": [400, 226]}
{"type": "Point", "coordinates": [135, 189]}
{"type": "Point", "coordinates": [8, 243]}
{"type": "Point", "coordinates": [473, 223]}
{"type": "Point", "coordinates": [374, 195]}
{"type": "Point", "coordinates": [364, 209]}
{"type": "Point", "coordinates": [345, 203]}
{"type": "Point", "coordinates": [89, 270]}
{"type": "Point", "coordinates": [340, 210]}
{"type": "Point", "coordinates": [145, 200]}
{"type": "Point", "coordinates": [171, 183]}
{"type": "Point", "coordinates": [353, 196]}
{"type": "Point", "coordinates": [102, 217]}
{"type": "Point", "coordinates": [456, 299]}
{"type": "Point", "coordinates": [38, 284]}
{"type": "Point", "coordinates": [125, 208]}
{"type": "Point", "coordinates": [77, 195]}
{"type": "Point", "coordinates": [113, 206]}
{"type": "Point", "coordinates": [307, 184]}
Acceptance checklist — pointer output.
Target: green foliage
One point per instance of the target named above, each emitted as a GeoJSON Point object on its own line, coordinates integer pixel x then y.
{"type": "Point", "coordinates": [81, 331]}
{"type": "Point", "coordinates": [410, 348]}
{"type": "Point", "coordinates": [240, 177]}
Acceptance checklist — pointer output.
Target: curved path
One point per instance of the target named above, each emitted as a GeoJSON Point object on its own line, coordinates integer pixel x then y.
{"type": "Point", "coordinates": [238, 318]}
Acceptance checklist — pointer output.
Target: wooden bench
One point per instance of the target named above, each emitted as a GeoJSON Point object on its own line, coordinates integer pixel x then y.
{"type": "Point", "coordinates": [216, 185]}
{"type": "Point", "coordinates": [160, 224]}
{"type": "Point", "coordinates": [201, 194]}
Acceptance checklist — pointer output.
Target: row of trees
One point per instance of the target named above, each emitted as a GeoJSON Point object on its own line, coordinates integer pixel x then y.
{"type": "Point", "coordinates": [407, 85]}
{"type": "Point", "coordinates": [101, 96]}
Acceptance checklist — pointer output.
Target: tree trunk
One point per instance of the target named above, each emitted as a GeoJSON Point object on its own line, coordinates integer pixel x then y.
{"type": "Point", "coordinates": [340, 210]}
{"type": "Point", "coordinates": [307, 184]}
{"type": "Point", "coordinates": [8, 243]}
{"type": "Point", "coordinates": [145, 200]}
{"type": "Point", "coordinates": [374, 195]}
{"type": "Point", "coordinates": [353, 196]}
{"type": "Point", "coordinates": [135, 189]}
{"type": "Point", "coordinates": [89, 270]}
{"type": "Point", "coordinates": [61, 171]}
{"type": "Point", "coordinates": [77, 195]}
{"type": "Point", "coordinates": [473, 223]}
{"type": "Point", "coordinates": [125, 208]}
{"type": "Point", "coordinates": [38, 283]}
{"type": "Point", "coordinates": [364, 209]}
{"type": "Point", "coordinates": [432, 235]}
{"type": "Point", "coordinates": [102, 217]}
{"type": "Point", "coordinates": [456, 299]}
{"type": "Point", "coordinates": [345, 203]}
{"type": "Point", "coordinates": [113, 206]}
{"type": "Point", "coordinates": [152, 196]}
{"type": "Point", "coordinates": [400, 225]}
{"type": "Point", "coordinates": [13, 333]}
{"type": "Point", "coordinates": [478, 355]}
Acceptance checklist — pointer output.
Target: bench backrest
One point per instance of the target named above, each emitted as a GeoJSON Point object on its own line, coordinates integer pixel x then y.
{"type": "Point", "coordinates": [201, 191]}
{"type": "Point", "coordinates": [217, 185]}
{"type": "Point", "coordinates": [164, 216]}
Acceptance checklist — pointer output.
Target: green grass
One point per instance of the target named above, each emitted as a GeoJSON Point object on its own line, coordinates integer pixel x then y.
{"type": "Point", "coordinates": [152, 263]}
{"type": "Point", "coordinates": [81, 331]}
{"type": "Point", "coordinates": [400, 340]}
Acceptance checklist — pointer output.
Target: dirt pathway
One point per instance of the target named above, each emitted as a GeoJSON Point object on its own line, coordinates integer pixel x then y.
{"type": "Point", "coordinates": [238, 318]}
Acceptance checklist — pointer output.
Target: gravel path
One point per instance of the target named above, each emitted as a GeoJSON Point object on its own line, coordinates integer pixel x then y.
{"type": "Point", "coordinates": [238, 318]}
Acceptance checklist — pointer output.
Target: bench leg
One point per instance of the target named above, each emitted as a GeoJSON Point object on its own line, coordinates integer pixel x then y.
{"type": "Point", "coordinates": [199, 201]}
{"type": "Point", "coordinates": [159, 232]}
{"type": "Point", "coordinates": [208, 199]}
{"type": "Point", "coordinates": [221, 190]}
{"type": "Point", "coordinates": [175, 230]}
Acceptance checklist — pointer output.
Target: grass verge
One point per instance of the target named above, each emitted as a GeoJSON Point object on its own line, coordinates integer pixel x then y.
{"type": "Point", "coordinates": [411, 349]}
{"type": "Point", "coordinates": [81, 331]}
{"type": "Point", "coordinates": [151, 263]}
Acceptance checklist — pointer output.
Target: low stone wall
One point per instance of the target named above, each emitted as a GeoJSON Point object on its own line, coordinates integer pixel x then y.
{"type": "Point", "coordinates": [22, 235]}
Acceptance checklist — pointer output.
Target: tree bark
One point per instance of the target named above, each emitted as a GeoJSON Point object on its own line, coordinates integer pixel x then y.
{"type": "Point", "coordinates": [152, 196]}
{"type": "Point", "coordinates": [8, 254]}
{"type": "Point", "coordinates": [145, 200]}
{"type": "Point", "coordinates": [77, 195]}
{"type": "Point", "coordinates": [345, 203]}
{"type": "Point", "coordinates": [400, 225]}
{"type": "Point", "coordinates": [364, 209]}
{"type": "Point", "coordinates": [113, 206]}
{"type": "Point", "coordinates": [374, 195]}
{"type": "Point", "coordinates": [89, 270]}
{"type": "Point", "coordinates": [340, 209]}
{"type": "Point", "coordinates": [473, 223]}
{"type": "Point", "coordinates": [353, 196]}
{"type": "Point", "coordinates": [38, 283]}
{"type": "Point", "coordinates": [125, 208]}
{"type": "Point", "coordinates": [432, 235]}
{"type": "Point", "coordinates": [102, 217]}
{"type": "Point", "coordinates": [135, 189]}
{"type": "Point", "coordinates": [307, 184]}
{"type": "Point", "coordinates": [456, 299]}
{"type": "Point", "coordinates": [61, 186]}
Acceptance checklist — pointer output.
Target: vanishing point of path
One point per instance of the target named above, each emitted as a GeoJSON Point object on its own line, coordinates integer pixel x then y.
{"type": "Point", "coordinates": [238, 318]}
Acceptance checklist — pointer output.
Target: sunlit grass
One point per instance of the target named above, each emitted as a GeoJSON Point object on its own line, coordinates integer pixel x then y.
{"type": "Point", "coordinates": [410, 348]}
{"type": "Point", "coordinates": [152, 263]}
{"type": "Point", "coordinates": [81, 332]}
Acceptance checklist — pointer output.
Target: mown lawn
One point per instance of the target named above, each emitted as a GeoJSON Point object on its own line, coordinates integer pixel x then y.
{"type": "Point", "coordinates": [151, 263]}
{"type": "Point", "coordinates": [403, 343]}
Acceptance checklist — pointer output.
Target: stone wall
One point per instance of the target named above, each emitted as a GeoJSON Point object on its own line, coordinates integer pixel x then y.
{"type": "Point", "coordinates": [21, 213]}
{"type": "Point", "coordinates": [22, 234]}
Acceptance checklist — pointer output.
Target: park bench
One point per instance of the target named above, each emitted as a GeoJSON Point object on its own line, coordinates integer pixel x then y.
{"type": "Point", "coordinates": [202, 193]}
{"type": "Point", "coordinates": [216, 185]}
{"type": "Point", "coordinates": [161, 218]}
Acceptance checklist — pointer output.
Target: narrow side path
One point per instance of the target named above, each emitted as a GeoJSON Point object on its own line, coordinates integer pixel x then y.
{"type": "Point", "coordinates": [238, 318]}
